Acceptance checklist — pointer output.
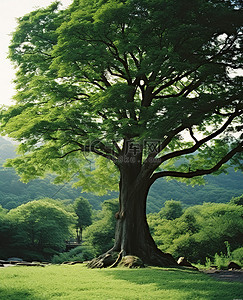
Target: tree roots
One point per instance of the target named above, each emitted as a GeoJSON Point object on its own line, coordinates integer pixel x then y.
{"type": "Point", "coordinates": [113, 259]}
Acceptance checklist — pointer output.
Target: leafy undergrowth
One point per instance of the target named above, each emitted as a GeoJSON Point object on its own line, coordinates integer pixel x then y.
{"type": "Point", "coordinates": [78, 282]}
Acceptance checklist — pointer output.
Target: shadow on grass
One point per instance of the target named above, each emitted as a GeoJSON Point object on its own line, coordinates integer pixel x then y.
{"type": "Point", "coordinates": [17, 294]}
{"type": "Point", "coordinates": [190, 282]}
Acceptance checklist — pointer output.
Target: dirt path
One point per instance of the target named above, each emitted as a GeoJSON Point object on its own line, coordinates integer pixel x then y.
{"type": "Point", "coordinates": [227, 275]}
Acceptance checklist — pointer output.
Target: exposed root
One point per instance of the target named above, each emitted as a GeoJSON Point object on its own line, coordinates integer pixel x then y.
{"type": "Point", "coordinates": [119, 257]}
{"type": "Point", "coordinates": [113, 258]}
{"type": "Point", "coordinates": [103, 261]}
{"type": "Point", "coordinates": [160, 259]}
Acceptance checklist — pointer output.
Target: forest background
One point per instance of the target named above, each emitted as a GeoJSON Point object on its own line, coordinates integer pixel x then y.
{"type": "Point", "coordinates": [203, 223]}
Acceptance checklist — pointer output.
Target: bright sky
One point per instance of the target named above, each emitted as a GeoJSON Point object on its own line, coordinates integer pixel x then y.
{"type": "Point", "coordinates": [9, 11]}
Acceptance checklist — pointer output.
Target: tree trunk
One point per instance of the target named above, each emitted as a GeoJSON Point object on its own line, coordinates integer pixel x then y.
{"type": "Point", "coordinates": [132, 235]}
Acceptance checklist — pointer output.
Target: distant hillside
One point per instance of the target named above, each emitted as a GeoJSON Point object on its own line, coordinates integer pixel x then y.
{"type": "Point", "coordinates": [7, 150]}
{"type": "Point", "coordinates": [14, 193]}
{"type": "Point", "coordinates": [219, 188]}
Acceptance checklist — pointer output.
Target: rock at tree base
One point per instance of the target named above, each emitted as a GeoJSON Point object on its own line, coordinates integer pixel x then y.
{"type": "Point", "coordinates": [233, 265]}
{"type": "Point", "coordinates": [183, 262]}
{"type": "Point", "coordinates": [131, 261]}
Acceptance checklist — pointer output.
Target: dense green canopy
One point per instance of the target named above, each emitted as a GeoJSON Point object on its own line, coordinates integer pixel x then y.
{"type": "Point", "coordinates": [104, 72]}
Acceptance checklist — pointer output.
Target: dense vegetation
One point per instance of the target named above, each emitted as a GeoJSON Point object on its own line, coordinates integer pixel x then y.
{"type": "Point", "coordinates": [39, 229]}
{"type": "Point", "coordinates": [200, 232]}
{"type": "Point", "coordinates": [36, 230]}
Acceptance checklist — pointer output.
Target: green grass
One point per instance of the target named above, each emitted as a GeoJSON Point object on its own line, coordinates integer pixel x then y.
{"type": "Point", "coordinates": [78, 282]}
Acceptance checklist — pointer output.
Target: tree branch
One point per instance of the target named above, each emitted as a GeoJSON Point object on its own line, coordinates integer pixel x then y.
{"type": "Point", "coordinates": [192, 135]}
{"type": "Point", "coordinates": [157, 162]}
{"type": "Point", "coordinates": [114, 51]}
{"type": "Point", "coordinates": [105, 80]}
{"type": "Point", "coordinates": [69, 152]}
{"type": "Point", "coordinates": [102, 150]}
{"type": "Point", "coordinates": [199, 172]}
{"type": "Point", "coordinates": [185, 91]}
{"type": "Point", "coordinates": [172, 81]}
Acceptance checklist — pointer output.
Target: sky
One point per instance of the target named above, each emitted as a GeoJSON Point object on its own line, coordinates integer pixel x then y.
{"type": "Point", "coordinates": [10, 10]}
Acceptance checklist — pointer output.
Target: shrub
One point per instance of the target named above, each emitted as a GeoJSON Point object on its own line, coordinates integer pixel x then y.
{"type": "Point", "coordinates": [237, 200]}
{"type": "Point", "coordinates": [237, 255]}
{"type": "Point", "coordinates": [185, 245]}
{"type": "Point", "coordinates": [172, 210]}
{"type": "Point", "coordinates": [222, 260]}
{"type": "Point", "coordinates": [81, 253]}
{"type": "Point", "coordinates": [100, 235]}
{"type": "Point", "coordinates": [200, 232]}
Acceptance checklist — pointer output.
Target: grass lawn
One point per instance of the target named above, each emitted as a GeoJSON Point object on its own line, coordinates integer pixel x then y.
{"type": "Point", "coordinates": [78, 282]}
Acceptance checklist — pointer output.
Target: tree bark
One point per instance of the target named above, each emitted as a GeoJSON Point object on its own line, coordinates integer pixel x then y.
{"type": "Point", "coordinates": [132, 235]}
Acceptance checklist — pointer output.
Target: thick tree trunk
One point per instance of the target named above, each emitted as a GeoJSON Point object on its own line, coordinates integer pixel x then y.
{"type": "Point", "coordinates": [132, 235]}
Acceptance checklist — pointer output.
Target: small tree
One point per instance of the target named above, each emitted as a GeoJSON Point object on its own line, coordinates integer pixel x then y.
{"type": "Point", "coordinates": [6, 233]}
{"type": "Point", "coordinates": [83, 210]}
{"type": "Point", "coordinates": [100, 235]}
{"type": "Point", "coordinates": [139, 84]}
{"type": "Point", "coordinates": [237, 200]}
{"type": "Point", "coordinates": [41, 226]}
{"type": "Point", "coordinates": [171, 210]}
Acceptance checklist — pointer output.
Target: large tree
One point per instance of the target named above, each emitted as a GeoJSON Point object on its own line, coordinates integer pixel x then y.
{"type": "Point", "coordinates": [145, 85]}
